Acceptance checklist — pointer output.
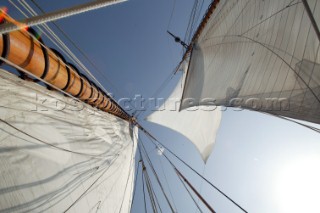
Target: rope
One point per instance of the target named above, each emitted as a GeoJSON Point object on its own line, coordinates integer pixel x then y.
{"type": "Point", "coordinates": [195, 202]}
{"type": "Point", "coordinates": [216, 188]}
{"type": "Point", "coordinates": [56, 15]}
{"type": "Point", "coordinates": [144, 193]}
{"type": "Point", "coordinates": [160, 89]}
{"type": "Point", "coordinates": [74, 44]}
{"type": "Point", "coordinates": [49, 144]}
{"type": "Point", "coordinates": [81, 196]}
{"type": "Point", "coordinates": [165, 178]}
{"type": "Point", "coordinates": [59, 43]}
{"type": "Point", "coordinates": [130, 170]}
{"type": "Point", "coordinates": [150, 190]}
{"type": "Point", "coordinates": [156, 176]}
{"type": "Point", "coordinates": [135, 188]}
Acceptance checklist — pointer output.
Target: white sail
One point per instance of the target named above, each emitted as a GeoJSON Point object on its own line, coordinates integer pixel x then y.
{"type": "Point", "coordinates": [198, 124]}
{"type": "Point", "coordinates": [57, 156]}
{"type": "Point", "coordinates": [259, 55]}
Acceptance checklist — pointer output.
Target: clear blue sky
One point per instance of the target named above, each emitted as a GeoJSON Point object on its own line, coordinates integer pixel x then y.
{"type": "Point", "coordinates": [263, 163]}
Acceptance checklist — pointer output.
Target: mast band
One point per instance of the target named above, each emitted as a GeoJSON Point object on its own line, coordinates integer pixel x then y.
{"type": "Point", "coordinates": [46, 62]}
{"type": "Point", "coordinates": [68, 81]}
{"type": "Point", "coordinates": [6, 46]}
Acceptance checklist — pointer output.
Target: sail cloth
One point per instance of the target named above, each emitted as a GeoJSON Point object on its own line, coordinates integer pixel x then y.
{"type": "Point", "coordinates": [58, 156]}
{"type": "Point", "coordinates": [198, 124]}
{"type": "Point", "coordinates": [258, 55]}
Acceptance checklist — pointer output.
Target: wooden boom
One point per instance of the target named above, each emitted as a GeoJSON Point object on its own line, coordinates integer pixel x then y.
{"type": "Point", "coordinates": [21, 48]}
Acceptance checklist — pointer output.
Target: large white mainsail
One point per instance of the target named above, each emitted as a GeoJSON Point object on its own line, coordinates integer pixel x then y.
{"type": "Point", "coordinates": [59, 155]}
{"type": "Point", "coordinates": [199, 124]}
{"type": "Point", "coordinates": [260, 55]}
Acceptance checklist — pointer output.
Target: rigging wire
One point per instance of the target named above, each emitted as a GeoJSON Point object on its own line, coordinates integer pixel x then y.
{"type": "Point", "coordinates": [317, 130]}
{"type": "Point", "coordinates": [59, 43]}
{"type": "Point", "coordinates": [81, 196]}
{"type": "Point", "coordinates": [194, 190]}
{"type": "Point", "coordinates": [201, 181]}
{"type": "Point", "coordinates": [191, 21]}
{"type": "Point", "coordinates": [175, 173]}
{"type": "Point", "coordinates": [158, 91]}
{"type": "Point", "coordinates": [150, 190]}
{"type": "Point", "coordinates": [135, 184]}
{"type": "Point", "coordinates": [171, 15]}
{"type": "Point", "coordinates": [195, 202]}
{"type": "Point", "coordinates": [53, 16]}
{"type": "Point", "coordinates": [49, 144]}
{"type": "Point", "coordinates": [74, 44]}
{"type": "Point", "coordinates": [144, 193]}
{"type": "Point", "coordinates": [130, 170]}
{"type": "Point", "coordinates": [155, 174]}
{"type": "Point", "coordinates": [166, 180]}
{"type": "Point", "coordinates": [152, 169]}
{"type": "Point", "coordinates": [211, 184]}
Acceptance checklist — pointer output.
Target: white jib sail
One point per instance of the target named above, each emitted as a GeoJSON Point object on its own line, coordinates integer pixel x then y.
{"type": "Point", "coordinates": [198, 124]}
{"type": "Point", "coordinates": [57, 156]}
{"type": "Point", "coordinates": [259, 55]}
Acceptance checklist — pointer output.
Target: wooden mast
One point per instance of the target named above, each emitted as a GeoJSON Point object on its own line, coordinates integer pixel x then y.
{"type": "Point", "coordinates": [24, 50]}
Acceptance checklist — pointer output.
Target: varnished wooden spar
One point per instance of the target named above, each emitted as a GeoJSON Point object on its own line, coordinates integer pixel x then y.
{"type": "Point", "coordinates": [20, 48]}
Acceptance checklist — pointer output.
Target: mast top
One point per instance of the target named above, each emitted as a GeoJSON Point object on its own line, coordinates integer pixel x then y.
{"type": "Point", "coordinates": [178, 40]}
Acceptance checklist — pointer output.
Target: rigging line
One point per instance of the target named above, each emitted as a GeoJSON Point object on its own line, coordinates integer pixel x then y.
{"type": "Point", "coordinates": [272, 15]}
{"type": "Point", "coordinates": [81, 52]}
{"type": "Point", "coordinates": [201, 181]}
{"type": "Point", "coordinates": [296, 122]}
{"type": "Point", "coordinates": [184, 185]}
{"type": "Point", "coordinates": [135, 184]}
{"type": "Point", "coordinates": [198, 16]}
{"type": "Point", "coordinates": [51, 85]}
{"type": "Point", "coordinates": [144, 193]}
{"type": "Point", "coordinates": [151, 191]}
{"type": "Point", "coordinates": [142, 172]}
{"type": "Point", "coordinates": [211, 184]}
{"type": "Point", "coordinates": [52, 16]}
{"type": "Point", "coordinates": [178, 173]}
{"type": "Point", "coordinates": [191, 20]}
{"type": "Point", "coordinates": [130, 170]}
{"type": "Point", "coordinates": [313, 21]}
{"type": "Point", "coordinates": [291, 68]}
{"type": "Point", "coordinates": [165, 177]}
{"type": "Point", "coordinates": [49, 144]}
{"type": "Point", "coordinates": [156, 176]}
{"type": "Point", "coordinates": [153, 171]}
{"type": "Point", "coordinates": [150, 197]}
{"type": "Point", "coordinates": [62, 46]}
{"type": "Point", "coordinates": [172, 11]}
{"type": "Point", "coordinates": [81, 196]}
{"type": "Point", "coordinates": [160, 89]}
{"type": "Point", "coordinates": [195, 191]}
{"type": "Point", "coordinates": [50, 35]}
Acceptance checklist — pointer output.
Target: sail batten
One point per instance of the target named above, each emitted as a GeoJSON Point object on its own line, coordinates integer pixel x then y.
{"type": "Point", "coordinates": [258, 55]}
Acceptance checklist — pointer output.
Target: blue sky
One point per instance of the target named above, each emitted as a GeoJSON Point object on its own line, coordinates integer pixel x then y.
{"type": "Point", "coordinates": [263, 163]}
